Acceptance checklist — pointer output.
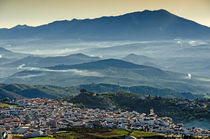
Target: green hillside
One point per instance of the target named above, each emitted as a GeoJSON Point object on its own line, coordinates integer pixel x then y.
{"type": "Point", "coordinates": [47, 91]}
{"type": "Point", "coordinates": [144, 90]}
{"type": "Point", "coordinates": [181, 110]}
{"type": "Point", "coordinates": [20, 90]}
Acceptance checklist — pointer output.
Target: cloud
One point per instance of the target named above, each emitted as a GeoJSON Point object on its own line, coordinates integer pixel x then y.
{"type": "Point", "coordinates": [47, 52]}
{"type": "Point", "coordinates": [29, 76]}
{"type": "Point", "coordinates": [204, 79]}
{"type": "Point", "coordinates": [21, 66]}
{"type": "Point", "coordinates": [189, 76]}
{"type": "Point", "coordinates": [1, 56]}
{"type": "Point", "coordinates": [39, 47]}
{"type": "Point", "coordinates": [180, 42]}
{"type": "Point", "coordinates": [74, 71]}
{"type": "Point", "coordinates": [196, 43]}
{"type": "Point", "coordinates": [64, 51]}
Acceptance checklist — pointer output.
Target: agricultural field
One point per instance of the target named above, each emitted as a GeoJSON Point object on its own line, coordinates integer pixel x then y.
{"type": "Point", "coordinates": [101, 133]}
{"type": "Point", "coordinates": [7, 105]}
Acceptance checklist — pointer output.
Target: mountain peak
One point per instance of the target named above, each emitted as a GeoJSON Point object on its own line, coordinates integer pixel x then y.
{"type": "Point", "coordinates": [150, 12]}
{"type": "Point", "coordinates": [155, 11]}
{"type": "Point", "coordinates": [132, 54]}
{"type": "Point", "coordinates": [79, 55]}
{"type": "Point", "coordinates": [21, 27]}
{"type": "Point", "coordinates": [161, 10]}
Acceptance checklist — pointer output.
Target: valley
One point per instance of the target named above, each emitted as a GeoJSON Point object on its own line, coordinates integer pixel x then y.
{"type": "Point", "coordinates": [129, 63]}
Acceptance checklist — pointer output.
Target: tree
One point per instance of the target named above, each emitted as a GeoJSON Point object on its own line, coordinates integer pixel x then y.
{"type": "Point", "coordinates": [83, 90]}
{"type": "Point", "coordinates": [6, 99]}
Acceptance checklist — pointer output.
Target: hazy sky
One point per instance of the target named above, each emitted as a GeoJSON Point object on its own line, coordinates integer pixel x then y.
{"type": "Point", "coordinates": [37, 12]}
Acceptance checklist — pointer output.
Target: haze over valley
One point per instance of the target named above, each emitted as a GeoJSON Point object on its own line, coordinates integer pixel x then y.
{"type": "Point", "coordinates": [150, 52]}
{"type": "Point", "coordinates": [26, 51]}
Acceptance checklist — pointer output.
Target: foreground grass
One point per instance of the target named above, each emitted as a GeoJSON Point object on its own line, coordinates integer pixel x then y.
{"type": "Point", "coordinates": [7, 105]}
{"type": "Point", "coordinates": [88, 133]}
{"type": "Point", "coordinates": [112, 134]}
{"type": "Point", "coordinates": [70, 135]}
{"type": "Point", "coordinates": [102, 133]}
{"type": "Point", "coordinates": [43, 138]}
{"type": "Point", "coordinates": [138, 134]}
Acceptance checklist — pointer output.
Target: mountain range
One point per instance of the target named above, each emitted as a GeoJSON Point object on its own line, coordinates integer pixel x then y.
{"type": "Point", "coordinates": [174, 52]}
{"type": "Point", "coordinates": [37, 61]}
{"type": "Point", "coordinates": [76, 69]}
{"type": "Point", "coordinates": [12, 62]}
{"type": "Point", "coordinates": [145, 25]}
{"type": "Point", "coordinates": [108, 71]}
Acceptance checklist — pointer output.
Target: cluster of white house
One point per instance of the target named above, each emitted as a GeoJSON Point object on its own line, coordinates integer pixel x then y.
{"type": "Point", "coordinates": [36, 117]}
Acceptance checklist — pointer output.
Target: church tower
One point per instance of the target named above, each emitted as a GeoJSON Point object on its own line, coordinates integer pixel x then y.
{"type": "Point", "coordinates": [152, 111]}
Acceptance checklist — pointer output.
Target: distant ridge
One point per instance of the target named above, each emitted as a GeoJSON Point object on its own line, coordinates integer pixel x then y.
{"type": "Point", "coordinates": [51, 61]}
{"type": "Point", "coordinates": [109, 71]}
{"type": "Point", "coordinates": [101, 64]}
{"type": "Point", "coordinates": [145, 25]}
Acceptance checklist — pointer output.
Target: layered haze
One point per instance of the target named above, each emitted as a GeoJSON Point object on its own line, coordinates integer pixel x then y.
{"type": "Point", "coordinates": [150, 52]}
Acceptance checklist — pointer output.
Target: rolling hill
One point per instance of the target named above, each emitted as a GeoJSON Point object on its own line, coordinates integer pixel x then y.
{"type": "Point", "coordinates": [176, 108]}
{"type": "Point", "coordinates": [21, 91]}
{"type": "Point", "coordinates": [145, 25]}
{"type": "Point", "coordinates": [143, 90]}
{"type": "Point", "coordinates": [180, 110]}
{"type": "Point", "coordinates": [140, 60]}
{"type": "Point", "coordinates": [48, 91]}
{"type": "Point", "coordinates": [36, 61]}
{"type": "Point", "coordinates": [6, 57]}
{"type": "Point", "coordinates": [7, 54]}
{"type": "Point", "coordinates": [110, 71]}
{"type": "Point", "coordinates": [100, 64]}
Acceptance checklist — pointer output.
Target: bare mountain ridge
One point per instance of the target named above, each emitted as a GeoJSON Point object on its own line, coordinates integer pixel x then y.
{"type": "Point", "coordinates": [145, 25]}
